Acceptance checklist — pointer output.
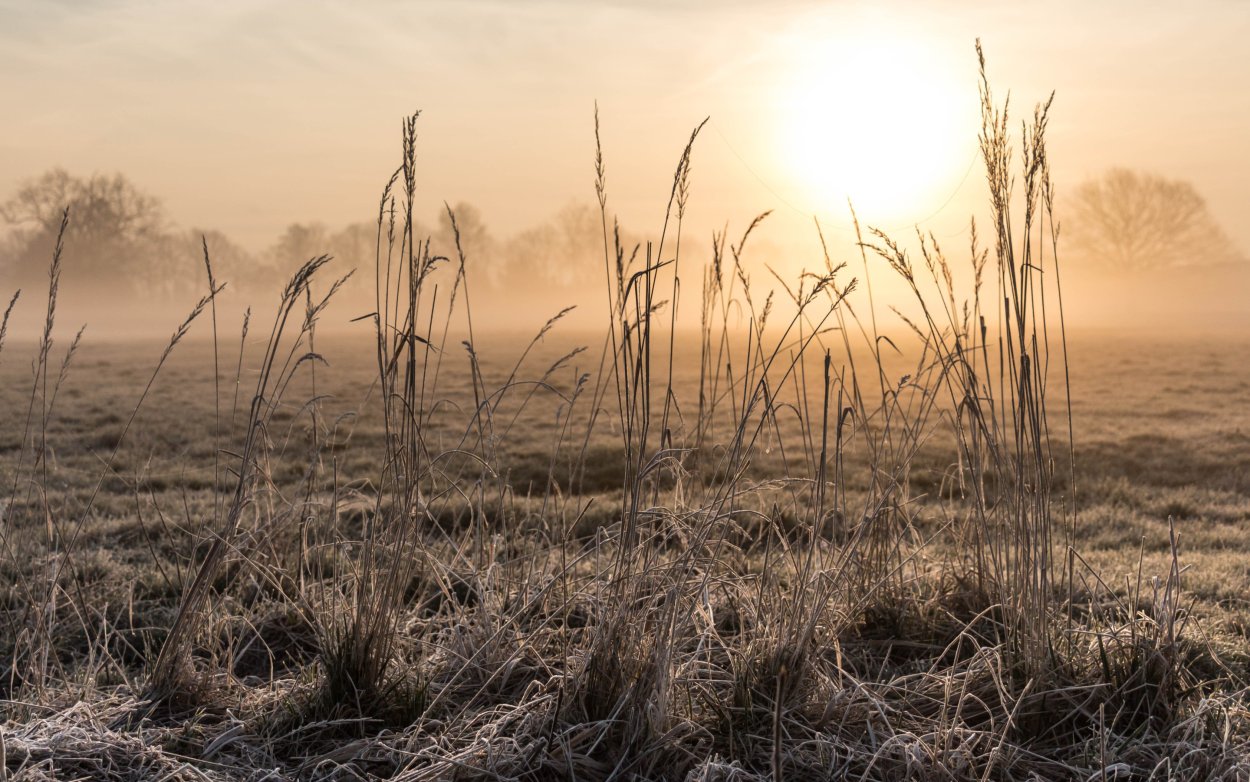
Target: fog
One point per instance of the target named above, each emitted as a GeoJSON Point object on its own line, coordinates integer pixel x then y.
{"type": "Point", "coordinates": [267, 132]}
{"type": "Point", "coordinates": [127, 269]}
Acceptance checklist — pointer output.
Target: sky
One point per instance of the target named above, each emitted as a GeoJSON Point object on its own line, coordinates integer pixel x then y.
{"type": "Point", "coordinates": [247, 116]}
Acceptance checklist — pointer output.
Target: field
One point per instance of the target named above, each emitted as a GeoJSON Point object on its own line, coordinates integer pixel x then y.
{"type": "Point", "coordinates": [810, 538]}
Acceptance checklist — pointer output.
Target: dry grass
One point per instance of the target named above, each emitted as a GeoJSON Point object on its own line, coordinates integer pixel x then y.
{"type": "Point", "coordinates": [796, 544]}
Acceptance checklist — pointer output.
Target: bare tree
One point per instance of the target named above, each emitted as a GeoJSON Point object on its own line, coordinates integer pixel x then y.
{"type": "Point", "coordinates": [102, 204]}
{"type": "Point", "coordinates": [1133, 221]}
{"type": "Point", "coordinates": [354, 248]}
{"type": "Point", "coordinates": [565, 251]}
{"type": "Point", "coordinates": [476, 241]}
{"type": "Point", "coordinates": [116, 238]}
{"type": "Point", "coordinates": [298, 244]}
{"type": "Point", "coordinates": [232, 263]}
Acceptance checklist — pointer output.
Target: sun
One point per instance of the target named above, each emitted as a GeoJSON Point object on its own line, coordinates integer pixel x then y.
{"type": "Point", "coordinates": [884, 122]}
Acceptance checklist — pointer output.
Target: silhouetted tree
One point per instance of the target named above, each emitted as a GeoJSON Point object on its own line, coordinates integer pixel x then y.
{"type": "Point", "coordinates": [232, 264]}
{"type": "Point", "coordinates": [115, 240]}
{"type": "Point", "coordinates": [355, 247]}
{"type": "Point", "coordinates": [567, 251]}
{"type": "Point", "coordinates": [475, 240]}
{"type": "Point", "coordinates": [299, 243]}
{"type": "Point", "coordinates": [1133, 221]}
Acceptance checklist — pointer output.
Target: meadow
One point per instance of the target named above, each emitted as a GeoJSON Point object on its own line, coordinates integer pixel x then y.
{"type": "Point", "coordinates": [812, 537]}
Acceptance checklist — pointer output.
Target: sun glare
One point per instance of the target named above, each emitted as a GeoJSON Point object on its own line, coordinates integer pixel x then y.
{"type": "Point", "coordinates": [883, 122]}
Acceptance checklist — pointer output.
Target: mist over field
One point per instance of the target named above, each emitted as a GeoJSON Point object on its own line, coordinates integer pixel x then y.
{"type": "Point", "coordinates": [624, 391]}
{"type": "Point", "coordinates": [1148, 247]}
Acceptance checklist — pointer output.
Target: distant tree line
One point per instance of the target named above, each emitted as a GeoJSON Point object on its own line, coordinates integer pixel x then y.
{"type": "Point", "coordinates": [121, 243]}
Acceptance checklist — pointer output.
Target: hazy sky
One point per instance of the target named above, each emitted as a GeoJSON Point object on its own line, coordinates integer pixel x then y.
{"type": "Point", "coordinates": [246, 116]}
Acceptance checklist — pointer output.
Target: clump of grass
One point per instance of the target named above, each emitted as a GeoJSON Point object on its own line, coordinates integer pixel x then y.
{"type": "Point", "coordinates": [171, 676]}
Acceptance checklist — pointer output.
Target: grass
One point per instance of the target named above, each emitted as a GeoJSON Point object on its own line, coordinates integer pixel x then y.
{"type": "Point", "coordinates": [812, 539]}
